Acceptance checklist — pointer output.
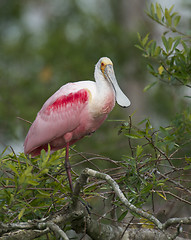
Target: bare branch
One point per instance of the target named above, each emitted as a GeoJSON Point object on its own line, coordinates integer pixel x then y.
{"type": "Point", "coordinates": [172, 221]}
{"type": "Point", "coordinates": [115, 186]}
{"type": "Point", "coordinates": [122, 197]}
{"type": "Point", "coordinates": [57, 230]}
{"type": "Point", "coordinates": [174, 182]}
{"type": "Point", "coordinates": [24, 120]}
{"type": "Point", "coordinates": [24, 234]}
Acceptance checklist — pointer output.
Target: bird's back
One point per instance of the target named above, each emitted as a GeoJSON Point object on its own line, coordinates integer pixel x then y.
{"type": "Point", "coordinates": [60, 115]}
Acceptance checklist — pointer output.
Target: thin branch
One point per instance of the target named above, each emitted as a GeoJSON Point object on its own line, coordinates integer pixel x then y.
{"type": "Point", "coordinates": [121, 237]}
{"type": "Point", "coordinates": [159, 150]}
{"type": "Point", "coordinates": [24, 120]}
{"type": "Point", "coordinates": [129, 140]}
{"type": "Point", "coordinates": [179, 80]}
{"type": "Point", "coordinates": [172, 194]}
{"type": "Point", "coordinates": [173, 29]}
{"type": "Point", "coordinates": [85, 158]}
{"type": "Point", "coordinates": [174, 182]}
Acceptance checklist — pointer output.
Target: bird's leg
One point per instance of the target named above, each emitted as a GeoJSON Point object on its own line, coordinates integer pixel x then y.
{"type": "Point", "coordinates": [68, 167]}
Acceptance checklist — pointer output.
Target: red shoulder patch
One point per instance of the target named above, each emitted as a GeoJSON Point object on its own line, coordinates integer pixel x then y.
{"type": "Point", "coordinates": [76, 98]}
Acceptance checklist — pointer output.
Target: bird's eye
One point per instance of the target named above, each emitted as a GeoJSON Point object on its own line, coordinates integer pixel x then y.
{"type": "Point", "coordinates": [102, 66]}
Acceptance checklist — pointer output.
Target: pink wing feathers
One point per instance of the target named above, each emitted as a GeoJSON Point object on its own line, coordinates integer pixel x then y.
{"type": "Point", "coordinates": [61, 114]}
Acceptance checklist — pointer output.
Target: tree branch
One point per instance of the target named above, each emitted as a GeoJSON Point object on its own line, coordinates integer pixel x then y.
{"type": "Point", "coordinates": [57, 230]}
{"type": "Point", "coordinates": [80, 220]}
{"type": "Point", "coordinates": [37, 228]}
{"type": "Point", "coordinates": [172, 221]}
{"type": "Point", "coordinates": [115, 186]}
{"type": "Point", "coordinates": [122, 197]}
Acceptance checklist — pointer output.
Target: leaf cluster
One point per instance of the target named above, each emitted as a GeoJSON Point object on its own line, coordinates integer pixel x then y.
{"type": "Point", "coordinates": [31, 187]}
{"type": "Point", "coordinates": [156, 163]}
{"type": "Point", "coordinates": [171, 60]}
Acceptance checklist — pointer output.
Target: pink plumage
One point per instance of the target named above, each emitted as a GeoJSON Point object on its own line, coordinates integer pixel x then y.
{"type": "Point", "coordinates": [75, 110]}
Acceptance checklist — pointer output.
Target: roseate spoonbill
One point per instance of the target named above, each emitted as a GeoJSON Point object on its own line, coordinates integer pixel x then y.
{"type": "Point", "coordinates": [75, 110]}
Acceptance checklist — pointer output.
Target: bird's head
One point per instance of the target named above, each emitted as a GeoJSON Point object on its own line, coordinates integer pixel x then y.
{"type": "Point", "coordinates": [105, 68]}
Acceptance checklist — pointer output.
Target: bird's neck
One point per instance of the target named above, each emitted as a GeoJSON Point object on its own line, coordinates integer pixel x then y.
{"type": "Point", "coordinates": [104, 99]}
{"type": "Point", "coordinates": [102, 85]}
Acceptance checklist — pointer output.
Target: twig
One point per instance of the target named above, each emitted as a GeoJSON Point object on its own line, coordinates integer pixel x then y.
{"type": "Point", "coordinates": [172, 194]}
{"type": "Point", "coordinates": [129, 140]}
{"type": "Point", "coordinates": [84, 157]}
{"type": "Point", "coordinates": [159, 150]}
{"type": "Point", "coordinates": [24, 120]}
{"type": "Point", "coordinates": [174, 182]}
{"type": "Point", "coordinates": [121, 237]}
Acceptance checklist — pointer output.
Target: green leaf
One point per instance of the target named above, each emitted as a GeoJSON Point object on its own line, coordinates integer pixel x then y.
{"type": "Point", "coordinates": [43, 171]}
{"type": "Point", "coordinates": [150, 68]}
{"type": "Point", "coordinates": [21, 213]}
{"type": "Point", "coordinates": [139, 36]}
{"type": "Point", "coordinates": [145, 40]}
{"type": "Point", "coordinates": [147, 188]}
{"type": "Point", "coordinates": [158, 10]}
{"type": "Point", "coordinates": [139, 150]}
{"type": "Point", "coordinates": [32, 182]}
{"type": "Point", "coordinates": [122, 216]}
{"type": "Point", "coordinates": [143, 121]}
{"type": "Point", "coordinates": [186, 48]}
{"type": "Point", "coordinates": [170, 42]}
{"type": "Point", "coordinates": [164, 130]}
{"type": "Point", "coordinates": [168, 17]}
{"type": "Point", "coordinates": [165, 43]}
{"type": "Point", "coordinates": [149, 86]}
{"type": "Point", "coordinates": [187, 167]}
{"type": "Point", "coordinates": [3, 152]}
{"type": "Point", "coordinates": [133, 136]}
{"type": "Point", "coordinates": [171, 8]}
{"type": "Point", "coordinates": [12, 167]}
{"type": "Point", "coordinates": [152, 48]}
{"type": "Point", "coordinates": [177, 41]}
{"type": "Point", "coordinates": [139, 47]}
{"type": "Point", "coordinates": [44, 193]}
{"type": "Point", "coordinates": [152, 10]}
{"type": "Point", "coordinates": [157, 51]}
{"type": "Point", "coordinates": [176, 20]}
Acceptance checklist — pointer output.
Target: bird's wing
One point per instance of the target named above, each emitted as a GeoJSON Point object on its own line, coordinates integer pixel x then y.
{"type": "Point", "coordinates": [60, 114]}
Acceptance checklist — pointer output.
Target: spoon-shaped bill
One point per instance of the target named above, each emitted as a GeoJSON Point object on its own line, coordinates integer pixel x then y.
{"type": "Point", "coordinates": [121, 98]}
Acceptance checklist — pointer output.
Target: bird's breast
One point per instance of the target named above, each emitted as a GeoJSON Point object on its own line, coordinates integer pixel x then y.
{"type": "Point", "coordinates": [102, 105]}
{"type": "Point", "coordinates": [108, 105]}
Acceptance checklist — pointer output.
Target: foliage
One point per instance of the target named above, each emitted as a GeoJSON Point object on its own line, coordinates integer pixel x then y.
{"type": "Point", "coordinates": [154, 172]}
{"type": "Point", "coordinates": [173, 58]}
{"type": "Point", "coordinates": [154, 161]}
{"type": "Point", "coordinates": [32, 188]}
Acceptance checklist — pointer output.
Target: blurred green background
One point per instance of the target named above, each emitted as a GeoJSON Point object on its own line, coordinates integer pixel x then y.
{"type": "Point", "coordinates": [45, 44]}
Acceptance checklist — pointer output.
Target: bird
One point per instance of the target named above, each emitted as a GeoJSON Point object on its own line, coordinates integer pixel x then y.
{"type": "Point", "coordinates": [77, 109]}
